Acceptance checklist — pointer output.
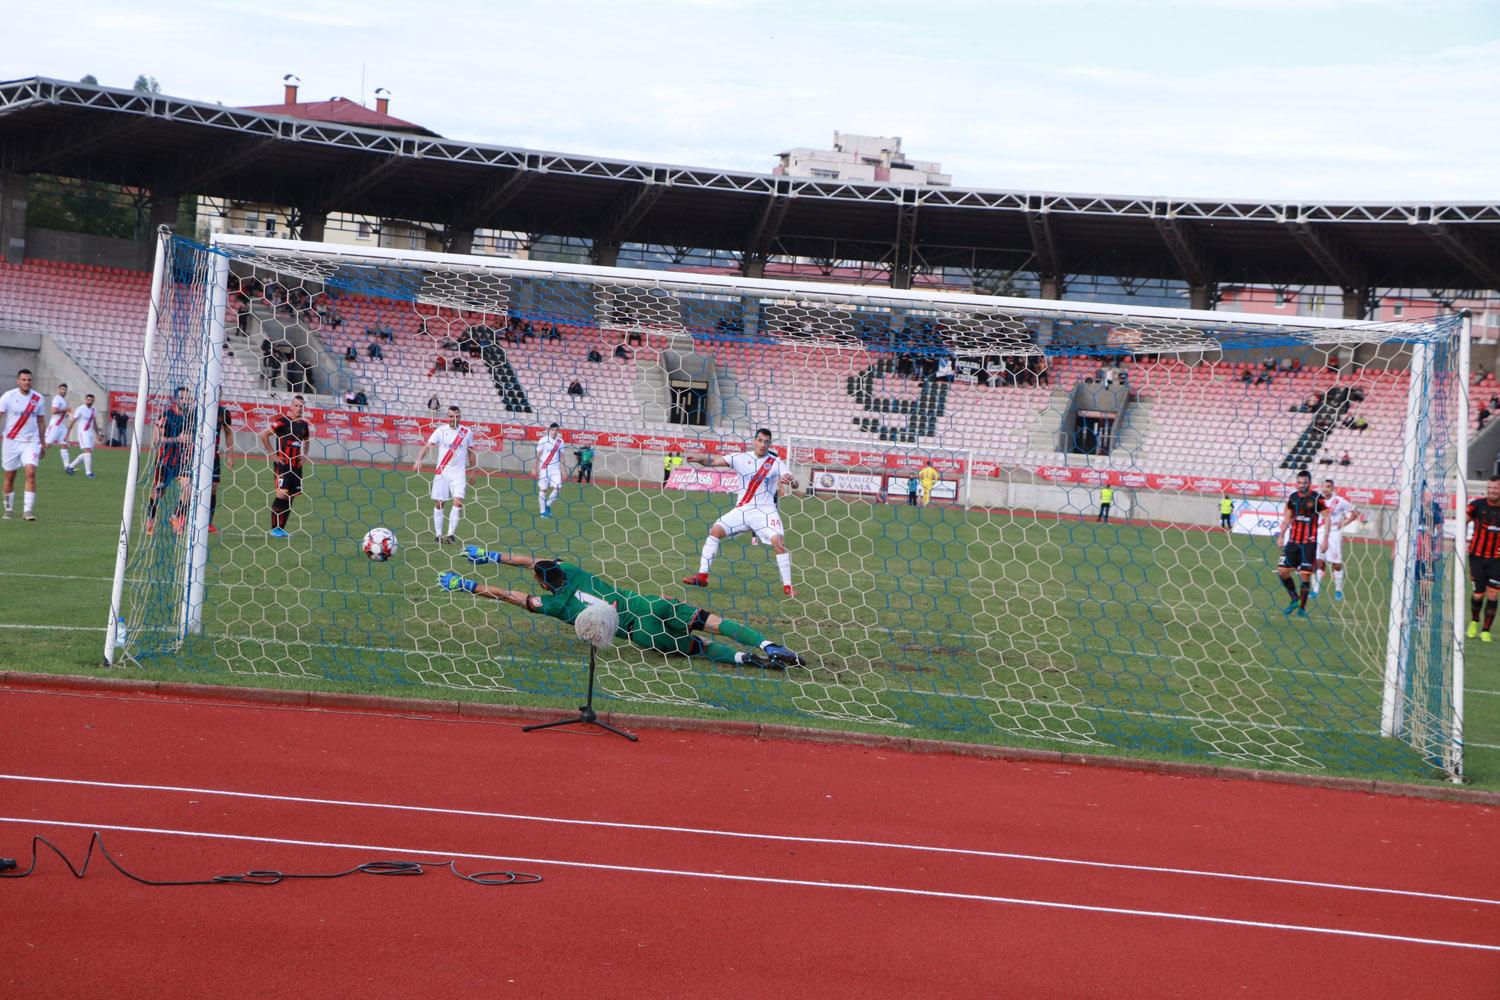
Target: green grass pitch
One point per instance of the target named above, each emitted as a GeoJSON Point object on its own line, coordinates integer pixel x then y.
{"type": "Point", "coordinates": [987, 627]}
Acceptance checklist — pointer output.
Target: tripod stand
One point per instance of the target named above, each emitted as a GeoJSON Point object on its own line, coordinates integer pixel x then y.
{"type": "Point", "coordinates": [586, 713]}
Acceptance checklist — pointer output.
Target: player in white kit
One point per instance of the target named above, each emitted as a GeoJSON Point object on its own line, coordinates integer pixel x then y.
{"type": "Point", "coordinates": [761, 475]}
{"type": "Point", "coordinates": [1341, 513]}
{"type": "Point", "coordinates": [22, 441]}
{"type": "Point", "coordinates": [58, 423]}
{"type": "Point", "coordinates": [549, 463]}
{"type": "Point", "coordinates": [84, 418]}
{"type": "Point", "coordinates": [452, 442]}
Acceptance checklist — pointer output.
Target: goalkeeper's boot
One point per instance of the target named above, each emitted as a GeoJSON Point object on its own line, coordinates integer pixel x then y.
{"type": "Point", "coordinates": [782, 655]}
{"type": "Point", "coordinates": [452, 581]}
{"type": "Point", "coordinates": [480, 554]}
{"type": "Point", "coordinates": [751, 660]}
{"type": "Point", "coordinates": [1485, 637]}
{"type": "Point", "coordinates": [1296, 605]}
{"type": "Point", "coordinates": [696, 580]}
{"type": "Point", "coordinates": [1473, 629]}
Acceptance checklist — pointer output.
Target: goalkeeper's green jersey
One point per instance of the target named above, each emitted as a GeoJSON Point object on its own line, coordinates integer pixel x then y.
{"type": "Point", "coordinates": [579, 590]}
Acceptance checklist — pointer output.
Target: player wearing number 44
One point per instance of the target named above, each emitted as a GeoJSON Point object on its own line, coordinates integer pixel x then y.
{"type": "Point", "coordinates": [760, 472]}
{"type": "Point", "coordinates": [648, 621]}
{"type": "Point", "coordinates": [450, 479]}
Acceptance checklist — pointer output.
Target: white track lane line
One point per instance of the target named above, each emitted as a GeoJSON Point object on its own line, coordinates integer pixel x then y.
{"type": "Point", "coordinates": [782, 838]}
{"type": "Point", "coordinates": [765, 880]}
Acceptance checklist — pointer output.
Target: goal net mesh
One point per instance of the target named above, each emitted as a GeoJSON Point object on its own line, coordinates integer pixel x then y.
{"type": "Point", "coordinates": [1005, 606]}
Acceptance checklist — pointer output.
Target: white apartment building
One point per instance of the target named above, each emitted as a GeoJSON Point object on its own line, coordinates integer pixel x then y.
{"type": "Point", "coordinates": [868, 159]}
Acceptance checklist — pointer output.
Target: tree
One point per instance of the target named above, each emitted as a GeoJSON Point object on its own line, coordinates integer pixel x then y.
{"type": "Point", "coordinates": [91, 79]}
{"type": "Point", "coordinates": [146, 85]}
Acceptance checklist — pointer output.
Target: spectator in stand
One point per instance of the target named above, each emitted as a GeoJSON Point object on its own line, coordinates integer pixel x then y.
{"type": "Point", "coordinates": [1344, 460]}
{"type": "Point", "coordinates": [351, 353]}
{"type": "Point", "coordinates": [1296, 364]}
{"type": "Point", "coordinates": [621, 352]}
{"type": "Point", "coordinates": [459, 365]}
{"type": "Point", "coordinates": [374, 351]}
{"type": "Point", "coordinates": [944, 371]}
{"type": "Point", "coordinates": [550, 332]}
{"type": "Point", "coordinates": [270, 368]}
{"type": "Point", "coordinates": [595, 356]}
{"type": "Point", "coordinates": [575, 388]}
{"type": "Point", "coordinates": [433, 403]}
{"type": "Point", "coordinates": [1361, 424]}
{"type": "Point", "coordinates": [1483, 415]}
{"type": "Point", "coordinates": [439, 364]}
{"type": "Point", "coordinates": [1246, 377]}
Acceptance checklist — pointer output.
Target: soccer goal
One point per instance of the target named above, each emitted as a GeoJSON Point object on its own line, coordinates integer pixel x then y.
{"type": "Point", "coordinates": [1097, 566]}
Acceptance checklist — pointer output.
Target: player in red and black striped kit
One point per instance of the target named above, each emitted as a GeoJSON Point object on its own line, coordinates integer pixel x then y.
{"type": "Point", "coordinates": [286, 439]}
{"type": "Point", "coordinates": [1299, 535]}
{"type": "Point", "coordinates": [1484, 558]}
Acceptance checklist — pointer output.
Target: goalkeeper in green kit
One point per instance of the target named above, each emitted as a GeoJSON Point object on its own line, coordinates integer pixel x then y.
{"type": "Point", "coordinates": [648, 621]}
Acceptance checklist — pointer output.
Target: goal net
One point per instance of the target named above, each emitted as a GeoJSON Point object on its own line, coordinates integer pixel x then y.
{"type": "Point", "coordinates": [1097, 564]}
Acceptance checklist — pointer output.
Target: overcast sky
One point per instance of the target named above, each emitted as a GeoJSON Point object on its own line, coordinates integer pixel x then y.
{"type": "Point", "coordinates": [1294, 99]}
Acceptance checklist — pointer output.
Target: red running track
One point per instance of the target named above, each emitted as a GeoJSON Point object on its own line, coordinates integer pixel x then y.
{"type": "Point", "coordinates": [924, 895]}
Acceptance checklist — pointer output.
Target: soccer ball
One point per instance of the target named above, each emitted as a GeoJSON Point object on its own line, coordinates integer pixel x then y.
{"type": "Point", "coordinates": [379, 544]}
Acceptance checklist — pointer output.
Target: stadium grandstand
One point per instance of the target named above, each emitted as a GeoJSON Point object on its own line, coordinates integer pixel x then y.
{"type": "Point", "coordinates": [337, 170]}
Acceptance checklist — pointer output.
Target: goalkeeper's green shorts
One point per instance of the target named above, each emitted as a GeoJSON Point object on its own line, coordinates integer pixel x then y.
{"type": "Point", "coordinates": [662, 624]}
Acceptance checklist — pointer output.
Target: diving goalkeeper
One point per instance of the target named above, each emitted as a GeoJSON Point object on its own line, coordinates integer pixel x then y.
{"type": "Point", "coordinates": [648, 621]}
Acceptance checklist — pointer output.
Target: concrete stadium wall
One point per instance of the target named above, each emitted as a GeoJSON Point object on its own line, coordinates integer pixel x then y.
{"type": "Point", "coordinates": [81, 248]}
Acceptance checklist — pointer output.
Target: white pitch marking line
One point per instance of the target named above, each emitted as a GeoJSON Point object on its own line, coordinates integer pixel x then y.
{"type": "Point", "coordinates": [765, 880]}
{"type": "Point", "coordinates": [55, 628]}
{"type": "Point", "coordinates": [783, 838]}
{"type": "Point", "coordinates": [54, 576]}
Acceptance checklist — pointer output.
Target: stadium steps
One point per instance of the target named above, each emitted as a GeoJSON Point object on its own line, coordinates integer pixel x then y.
{"type": "Point", "coordinates": [1312, 438]}
{"type": "Point", "coordinates": [1047, 426]}
{"type": "Point", "coordinates": [1137, 426]}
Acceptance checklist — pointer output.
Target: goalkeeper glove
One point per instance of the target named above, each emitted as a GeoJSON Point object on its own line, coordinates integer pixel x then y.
{"type": "Point", "coordinates": [480, 554]}
{"type": "Point", "coordinates": [452, 581]}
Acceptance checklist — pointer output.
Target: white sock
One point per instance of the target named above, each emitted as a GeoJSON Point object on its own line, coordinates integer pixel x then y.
{"type": "Point", "coordinates": [552, 497]}
{"type": "Point", "coordinates": [1317, 580]}
{"type": "Point", "coordinates": [28, 501]}
{"type": "Point", "coordinates": [541, 497]}
{"type": "Point", "coordinates": [437, 521]}
{"type": "Point", "coordinates": [10, 501]}
{"type": "Point", "coordinates": [710, 549]}
{"type": "Point", "coordinates": [784, 563]}
{"type": "Point", "coordinates": [88, 463]}
{"type": "Point", "coordinates": [453, 519]}
{"type": "Point", "coordinates": [739, 657]}
{"type": "Point", "coordinates": [1338, 579]}
{"type": "Point", "coordinates": [66, 461]}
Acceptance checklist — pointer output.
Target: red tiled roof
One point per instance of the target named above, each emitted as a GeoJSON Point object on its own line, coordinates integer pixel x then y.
{"type": "Point", "coordinates": [341, 111]}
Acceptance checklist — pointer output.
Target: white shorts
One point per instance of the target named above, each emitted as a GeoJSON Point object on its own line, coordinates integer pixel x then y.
{"type": "Point", "coordinates": [449, 486]}
{"type": "Point", "coordinates": [551, 479]}
{"type": "Point", "coordinates": [1332, 549]}
{"type": "Point", "coordinates": [86, 440]}
{"type": "Point", "coordinates": [20, 453]}
{"type": "Point", "coordinates": [763, 521]}
{"type": "Point", "coordinates": [57, 434]}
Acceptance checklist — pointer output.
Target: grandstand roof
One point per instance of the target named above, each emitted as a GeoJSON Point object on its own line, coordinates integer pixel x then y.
{"type": "Point", "coordinates": [193, 147]}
